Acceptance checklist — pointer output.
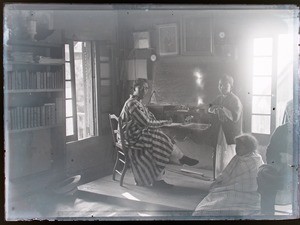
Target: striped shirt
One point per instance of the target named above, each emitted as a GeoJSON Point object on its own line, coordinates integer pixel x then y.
{"type": "Point", "coordinates": [149, 148]}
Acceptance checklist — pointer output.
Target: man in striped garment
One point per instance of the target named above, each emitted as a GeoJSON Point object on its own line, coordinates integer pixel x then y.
{"type": "Point", "coordinates": [149, 148]}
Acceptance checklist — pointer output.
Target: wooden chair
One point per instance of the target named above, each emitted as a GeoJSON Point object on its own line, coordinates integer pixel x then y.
{"type": "Point", "coordinates": [121, 164]}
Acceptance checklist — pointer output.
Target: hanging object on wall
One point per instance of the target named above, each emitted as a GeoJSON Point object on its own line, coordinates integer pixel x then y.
{"type": "Point", "coordinates": [141, 40]}
{"type": "Point", "coordinates": [153, 57]}
{"type": "Point", "coordinates": [31, 25]}
{"type": "Point", "coordinates": [44, 26]}
{"type": "Point", "coordinates": [167, 39]}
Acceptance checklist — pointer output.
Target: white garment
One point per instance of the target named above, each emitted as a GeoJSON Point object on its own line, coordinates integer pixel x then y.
{"type": "Point", "coordinates": [224, 153]}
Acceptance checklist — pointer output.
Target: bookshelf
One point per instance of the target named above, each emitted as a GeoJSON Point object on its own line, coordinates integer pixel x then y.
{"type": "Point", "coordinates": [34, 108]}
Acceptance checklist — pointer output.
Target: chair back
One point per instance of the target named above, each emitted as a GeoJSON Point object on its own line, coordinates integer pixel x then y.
{"type": "Point", "coordinates": [114, 121]}
{"type": "Point", "coordinates": [117, 132]}
{"type": "Point", "coordinates": [122, 137]}
{"type": "Point", "coordinates": [121, 163]}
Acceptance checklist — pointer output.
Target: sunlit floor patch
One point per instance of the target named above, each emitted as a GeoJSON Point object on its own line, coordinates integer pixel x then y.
{"type": "Point", "coordinates": [111, 214]}
{"type": "Point", "coordinates": [143, 214]}
{"type": "Point", "coordinates": [130, 196]}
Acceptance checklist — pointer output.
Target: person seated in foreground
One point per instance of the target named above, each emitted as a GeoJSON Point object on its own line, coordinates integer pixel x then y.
{"type": "Point", "coordinates": [150, 149]}
{"type": "Point", "coordinates": [234, 192]}
{"type": "Point", "coordinates": [276, 175]}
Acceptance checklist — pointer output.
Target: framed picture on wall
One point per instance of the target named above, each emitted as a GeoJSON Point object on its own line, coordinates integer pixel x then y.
{"type": "Point", "coordinates": [167, 39]}
{"type": "Point", "coordinates": [197, 38]}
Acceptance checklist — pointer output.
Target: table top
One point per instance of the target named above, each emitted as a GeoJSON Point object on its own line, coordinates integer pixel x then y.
{"type": "Point", "coordinates": [193, 126]}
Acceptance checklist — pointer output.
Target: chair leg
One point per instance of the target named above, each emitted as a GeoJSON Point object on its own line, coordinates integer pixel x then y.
{"type": "Point", "coordinates": [123, 172]}
{"type": "Point", "coordinates": [115, 167]}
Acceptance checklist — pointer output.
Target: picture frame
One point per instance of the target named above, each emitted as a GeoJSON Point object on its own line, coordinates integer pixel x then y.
{"type": "Point", "coordinates": [168, 39]}
{"type": "Point", "coordinates": [197, 35]}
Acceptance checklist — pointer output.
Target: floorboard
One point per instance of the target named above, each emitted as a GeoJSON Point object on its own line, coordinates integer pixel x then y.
{"type": "Point", "coordinates": [186, 193]}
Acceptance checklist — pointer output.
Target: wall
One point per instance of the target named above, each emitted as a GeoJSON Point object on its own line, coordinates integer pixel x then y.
{"type": "Point", "coordinates": [173, 76]}
{"type": "Point", "coordinates": [92, 157]}
{"type": "Point", "coordinates": [86, 24]}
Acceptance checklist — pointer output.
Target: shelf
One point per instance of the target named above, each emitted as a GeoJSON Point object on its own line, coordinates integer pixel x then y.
{"type": "Point", "coordinates": [32, 90]}
{"type": "Point", "coordinates": [33, 43]}
{"type": "Point", "coordinates": [33, 64]}
{"type": "Point", "coordinates": [33, 129]}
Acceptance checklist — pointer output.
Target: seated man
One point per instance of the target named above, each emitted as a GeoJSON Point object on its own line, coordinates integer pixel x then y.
{"type": "Point", "coordinates": [149, 148]}
{"type": "Point", "coordinates": [234, 192]}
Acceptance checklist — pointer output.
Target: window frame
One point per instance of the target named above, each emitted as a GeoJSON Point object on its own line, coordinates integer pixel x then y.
{"type": "Point", "coordinates": [74, 136]}
{"type": "Point", "coordinates": [272, 95]}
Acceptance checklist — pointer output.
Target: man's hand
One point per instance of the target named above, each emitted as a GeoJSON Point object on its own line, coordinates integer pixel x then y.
{"type": "Point", "coordinates": [213, 108]}
{"type": "Point", "coordinates": [221, 115]}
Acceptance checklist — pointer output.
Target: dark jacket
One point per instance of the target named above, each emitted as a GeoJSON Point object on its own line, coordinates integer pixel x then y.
{"type": "Point", "coordinates": [281, 142]}
{"type": "Point", "coordinates": [231, 128]}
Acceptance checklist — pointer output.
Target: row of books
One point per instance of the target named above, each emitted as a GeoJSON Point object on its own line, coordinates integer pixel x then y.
{"type": "Point", "coordinates": [25, 79]}
{"type": "Point", "coordinates": [48, 114]}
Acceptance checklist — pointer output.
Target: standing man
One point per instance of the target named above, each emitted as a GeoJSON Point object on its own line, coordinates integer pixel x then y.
{"type": "Point", "coordinates": [228, 112]}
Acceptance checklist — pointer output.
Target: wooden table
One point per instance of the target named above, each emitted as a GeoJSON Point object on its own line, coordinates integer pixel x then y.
{"type": "Point", "coordinates": [180, 131]}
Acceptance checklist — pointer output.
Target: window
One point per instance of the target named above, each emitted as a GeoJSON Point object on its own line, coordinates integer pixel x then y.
{"type": "Point", "coordinates": [80, 82]}
{"type": "Point", "coordinates": [262, 85]}
{"type": "Point", "coordinates": [272, 86]}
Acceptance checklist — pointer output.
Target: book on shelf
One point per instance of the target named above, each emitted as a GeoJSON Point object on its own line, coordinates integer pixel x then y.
{"type": "Point", "coordinates": [24, 79]}
{"type": "Point", "coordinates": [48, 114]}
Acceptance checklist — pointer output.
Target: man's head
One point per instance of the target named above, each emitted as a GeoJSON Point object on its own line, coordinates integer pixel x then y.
{"type": "Point", "coordinates": [225, 84]}
{"type": "Point", "coordinates": [140, 87]}
{"type": "Point", "coordinates": [245, 143]}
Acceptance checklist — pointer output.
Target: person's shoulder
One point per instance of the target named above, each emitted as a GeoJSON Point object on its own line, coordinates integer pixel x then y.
{"type": "Point", "coordinates": [282, 128]}
{"type": "Point", "coordinates": [234, 96]}
{"type": "Point", "coordinates": [132, 102]}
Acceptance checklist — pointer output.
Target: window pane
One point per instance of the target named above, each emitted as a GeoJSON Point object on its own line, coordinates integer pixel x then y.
{"type": "Point", "coordinates": [260, 124]}
{"type": "Point", "coordinates": [68, 89]}
{"type": "Point", "coordinates": [69, 126]}
{"type": "Point", "coordinates": [104, 70]}
{"type": "Point", "coordinates": [262, 66]}
{"type": "Point", "coordinates": [105, 82]}
{"type": "Point", "coordinates": [67, 52]}
{"type": "Point", "coordinates": [262, 85]}
{"type": "Point", "coordinates": [78, 46]}
{"type": "Point", "coordinates": [105, 90]}
{"type": "Point", "coordinates": [104, 53]}
{"type": "Point", "coordinates": [262, 46]}
{"type": "Point", "coordinates": [106, 104]}
{"type": "Point", "coordinates": [67, 71]}
{"type": "Point", "coordinates": [69, 109]}
{"type": "Point", "coordinates": [84, 90]}
{"type": "Point", "coordinates": [261, 104]}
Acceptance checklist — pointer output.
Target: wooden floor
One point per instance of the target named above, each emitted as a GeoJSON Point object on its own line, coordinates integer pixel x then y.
{"type": "Point", "coordinates": [105, 198]}
{"type": "Point", "coordinates": [185, 194]}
